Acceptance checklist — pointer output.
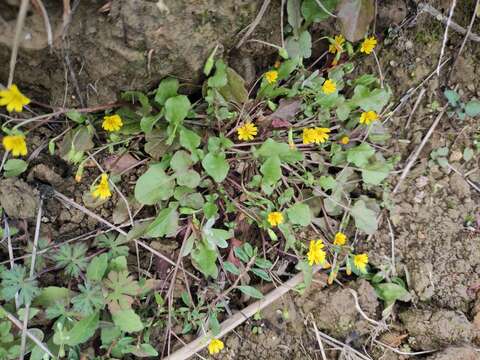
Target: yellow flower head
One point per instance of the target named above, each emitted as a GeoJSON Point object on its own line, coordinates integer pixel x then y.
{"type": "Point", "coordinates": [247, 132]}
{"type": "Point", "coordinates": [315, 135]}
{"type": "Point", "coordinates": [368, 117]}
{"type": "Point", "coordinates": [340, 239]}
{"type": "Point", "coordinates": [275, 218]}
{"type": "Point", "coordinates": [337, 44]}
{"type": "Point", "coordinates": [329, 87]}
{"type": "Point", "coordinates": [15, 144]}
{"type": "Point", "coordinates": [271, 76]}
{"type": "Point", "coordinates": [360, 261]}
{"type": "Point", "coordinates": [368, 45]}
{"type": "Point", "coordinates": [215, 346]}
{"type": "Point", "coordinates": [112, 123]}
{"type": "Point", "coordinates": [316, 256]}
{"type": "Point", "coordinates": [13, 99]}
{"type": "Point", "coordinates": [102, 190]}
{"type": "Point", "coordinates": [344, 140]}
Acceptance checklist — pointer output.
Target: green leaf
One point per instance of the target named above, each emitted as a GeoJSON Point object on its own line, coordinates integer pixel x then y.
{"type": "Point", "coordinates": [299, 214]}
{"type": "Point", "coordinates": [327, 182]}
{"type": "Point", "coordinates": [165, 224]}
{"type": "Point", "coordinates": [127, 320]}
{"type": "Point", "coordinates": [204, 259]}
{"type": "Point", "coordinates": [293, 15]}
{"type": "Point", "coordinates": [235, 90]}
{"type": "Point", "coordinates": [375, 173]}
{"type": "Point", "coordinates": [360, 154]}
{"type": "Point", "coordinates": [219, 79]}
{"type": "Point", "coordinates": [216, 166]}
{"type": "Point", "coordinates": [181, 161]}
{"type": "Point", "coordinates": [147, 122]}
{"type": "Point", "coordinates": [207, 68]}
{"type": "Point", "coordinates": [271, 170]}
{"type": "Point", "coordinates": [17, 284]}
{"type": "Point", "coordinates": [142, 350]}
{"type": "Point", "coordinates": [189, 178]}
{"type": "Point", "coordinates": [231, 268]}
{"type": "Point", "coordinates": [282, 150]}
{"type": "Point", "coordinates": [97, 267]}
{"type": "Point", "coordinates": [250, 291]}
{"type": "Point", "coordinates": [14, 167]}
{"type": "Point", "coordinates": [82, 330]}
{"type": "Point", "coordinates": [261, 274]}
{"type": "Point", "coordinates": [452, 97]}
{"type": "Point", "coordinates": [168, 88]}
{"type": "Point", "coordinates": [467, 154]}
{"type": "Point", "coordinates": [314, 13]}
{"type": "Point", "coordinates": [370, 100]}
{"type": "Point", "coordinates": [355, 17]}
{"type": "Point", "coordinates": [75, 116]}
{"type": "Point", "coordinates": [391, 292]}
{"type": "Point", "coordinates": [176, 109]}
{"type": "Point", "coordinates": [472, 108]}
{"type": "Point", "coordinates": [52, 294]}
{"type": "Point", "coordinates": [365, 218]}
{"type": "Point", "coordinates": [189, 139]}
{"type": "Point", "coordinates": [154, 186]}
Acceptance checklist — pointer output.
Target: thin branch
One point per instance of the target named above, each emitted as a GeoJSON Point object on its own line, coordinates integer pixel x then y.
{"type": "Point", "coordinates": [26, 313]}
{"type": "Point", "coordinates": [22, 13]}
{"type": "Point", "coordinates": [415, 155]}
{"type": "Point", "coordinates": [18, 324]}
{"type": "Point", "coordinates": [445, 36]}
{"type": "Point", "coordinates": [255, 23]}
{"type": "Point", "coordinates": [238, 318]}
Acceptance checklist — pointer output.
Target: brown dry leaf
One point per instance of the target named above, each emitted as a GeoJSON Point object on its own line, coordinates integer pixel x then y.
{"type": "Point", "coordinates": [355, 17]}
{"type": "Point", "coordinates": [287, 109]}
{"type": "Point", "coordinates": [117, 164]}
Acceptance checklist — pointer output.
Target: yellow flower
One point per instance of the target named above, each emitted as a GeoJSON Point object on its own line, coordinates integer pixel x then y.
{"type": "Point", "coordinates": [344, 140]}
{"type": "Point", "coordinates": [315, 135]}
{"type": "Point", "coordinates": [368, 45]}
{"type": "Point", "coordinates": [215, 346]}
{"type": "Point", "coordinates": [316, 256]}
{"type": "Point", "coordinates": [102, 190]}
{"type": "Point", "coordinates": [337, 44]}
{"type": "Point", "coordinates": [13, 99]}
{"type": "Point", "coordinates": [329, 87]}
{"type": "Point", "coordinates": [247, 132]}
{"type": "Point", "coordinates": [340, 239]}
{"type": "Point", "coordinates": [112, 123]}
{"type": "Point", "coordinates": [271, 76]}
{"type": "Point", "coordinates": [368, 117]}
{"type": "Point", "coordinates": [360, 261]}
{"type": "Point", "coordinates": [275, 218]}
{"type": "Point", "coordinates": [16, 144]}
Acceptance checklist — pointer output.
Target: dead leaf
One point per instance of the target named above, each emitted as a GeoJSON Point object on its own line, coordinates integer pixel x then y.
{"type": "Point", "coordinates": [118, 164]}
{"type": "Point", "coordinates": [287, 109]}
{"type": "Point", "coordinates": [355, 17]}
{"type": "Point", "coordinates": [279, 123]}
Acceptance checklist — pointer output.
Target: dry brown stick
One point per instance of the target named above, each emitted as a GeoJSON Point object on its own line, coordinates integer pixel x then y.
{"type": "Point", "coordinates": [46, 20]}
{"type": "Point", "coordinates": [414, 157]}
{"type": "Point", "coordinates": [255, 23]}
{"type": "Point", "coordinates": [23, 342]}
{"type": "Point", "coordinates": [22, 13]}
{"type": "Point", "coordinates": [172, 283]}
{"type": "Point", "coordinates": [469, 31]}
{"type": "Point", "coordinates": [445, 36]}
{"type": "Point", "coordinates": [238, 318]}
{"type": "Point", "coordinates": [417, 102]}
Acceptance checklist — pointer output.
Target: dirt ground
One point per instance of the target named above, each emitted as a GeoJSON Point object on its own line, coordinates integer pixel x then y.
{"type": "Point", "coordinates": [434, 221]}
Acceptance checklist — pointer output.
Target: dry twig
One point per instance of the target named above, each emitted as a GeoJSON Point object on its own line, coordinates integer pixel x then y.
{"type": "Point", "coordinates": [445, 36]}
